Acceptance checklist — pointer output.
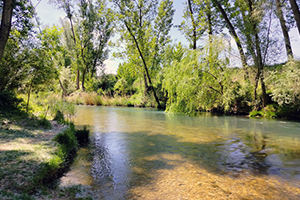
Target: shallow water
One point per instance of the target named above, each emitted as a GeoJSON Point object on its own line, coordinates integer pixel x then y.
{"type": "Point", "coordinates": [146, 154]}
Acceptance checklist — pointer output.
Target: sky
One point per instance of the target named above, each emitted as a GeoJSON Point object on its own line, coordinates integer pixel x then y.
{"type": "Point", "coordinates": [49, 15]}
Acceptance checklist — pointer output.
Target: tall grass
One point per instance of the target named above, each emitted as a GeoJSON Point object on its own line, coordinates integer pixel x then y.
{"type": "Point", "coordinates": [95, 99]}
{"type": "Point", "coordinates": [57, 104]}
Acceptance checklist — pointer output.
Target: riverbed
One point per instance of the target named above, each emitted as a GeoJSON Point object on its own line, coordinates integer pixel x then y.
{"type": "Point", "coordinates": [140, 153]}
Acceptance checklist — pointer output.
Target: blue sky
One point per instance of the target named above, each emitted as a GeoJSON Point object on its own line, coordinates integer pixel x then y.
{"type": "Point", "coordinates": [49, 15]}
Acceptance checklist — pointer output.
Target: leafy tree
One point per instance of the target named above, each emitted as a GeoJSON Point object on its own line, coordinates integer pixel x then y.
{"type": "Point", "coordinates": [16, 14]}
{"type": "Point", "coordinates": [252, 13]}
{"type": "Point", "coordinates": [284, 28]}
{"type": "Point", "coordinates": [192, 83]}
{"type": "Point", "coordinates": [285, 85]}
{"type": "Point", "coordinates": [15, 62]}
{"type": "Point", "coordinates": [94, 31]}
{"type": "Point", "coordinates": [7, 12]}
{"type": "Point", "coordinates": [67, 6]}
{"type": "Point", "coordinates": [233, 32]}
{"type": "Point", "coordinates": [198, 20]}
{"type": "Point", "coordinates": [147, 30]}
{"type": "Point", "coordinates": [42, 66]}
{"type": "Point", "coordinates": [296, 12]}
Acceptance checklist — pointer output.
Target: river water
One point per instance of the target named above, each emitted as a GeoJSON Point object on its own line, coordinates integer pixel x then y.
{"type": "Point", "coordinates": [147, 154]}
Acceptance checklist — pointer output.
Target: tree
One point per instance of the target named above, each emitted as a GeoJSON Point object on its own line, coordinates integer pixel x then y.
{"type": "Point", "coordinates": [296, 13]}
{"type": "Point", "coordinates": [192, 83]}
{"type": "Point", "coordinates": [232, 31]}
{"type": "Point", "coordinates": [198, 20]}
{"type": "Point", "coordinates": [284, 29]}
{"type": "Point", "coordinates": [5, 27]}
{"type": "Point", "coordinates": [94, 31]}
{"type": "Point", "coordinates": [67, 6]}
{"type": "Point", "coordinates": [43, 55]}
{"type": "Point", "coordinates": [148, 38]}
{"type": "Point", "coordinates": [251, 15]}
{"type": "Point", "coordinates": [192, 25]}
{"type": "Point", "coordinates": [17, 15]}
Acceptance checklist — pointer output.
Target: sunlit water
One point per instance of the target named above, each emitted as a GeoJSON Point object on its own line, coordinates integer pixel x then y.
{"type": "Point", "coordinates": [147, 154]}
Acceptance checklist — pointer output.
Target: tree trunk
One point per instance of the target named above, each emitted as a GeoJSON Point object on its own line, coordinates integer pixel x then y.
{"type": "Point", "coordinates": [5, 27]}
{"type": "Point", "coordinates": [258, 57]}
{"type": "Point", "coordinates": [144, 62]}
{"type": "Point", "coordinates": [29, 91]}
{"type": "Point", "coordinates": [194, 25]}
{"type": "Point", "coordinates": [234, 35]}
{"type": "Point", "coordinates": [62, 87]}
{"type": "Point", "coordinates": [74, 38]}
{"type": "Point", "coordinates": [83, 78]}
{"type": "Point", "coordinates": [284, 29]}
{"type": "Point", "coordinates": [210, 34]}
{"type": "Point", "coordinates": [146, 84]}
{"type": "Point", "coordinates": [77, 80]}
{"type": "Point", "coordinates": [296, 13]}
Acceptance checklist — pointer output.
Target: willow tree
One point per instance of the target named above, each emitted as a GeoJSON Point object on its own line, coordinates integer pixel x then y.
{"type": "Point", "coordinates": [192, 84]}
{"type": "Point", "coordinates": [147, 29]}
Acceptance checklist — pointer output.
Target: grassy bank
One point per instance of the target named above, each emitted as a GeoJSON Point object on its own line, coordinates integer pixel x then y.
{"type": "Point", "coordinates": [32, 156]}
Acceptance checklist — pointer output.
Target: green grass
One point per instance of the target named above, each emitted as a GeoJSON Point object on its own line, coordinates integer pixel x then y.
{"type": "Point", "coordinates": [30, 155]}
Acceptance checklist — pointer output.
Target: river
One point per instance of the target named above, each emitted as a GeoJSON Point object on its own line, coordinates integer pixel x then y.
{"type": "Point", "coordinates": [147, 154]}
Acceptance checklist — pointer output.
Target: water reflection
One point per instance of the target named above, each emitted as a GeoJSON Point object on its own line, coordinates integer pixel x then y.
{"type": "Point", "coordinates": [135, 153]}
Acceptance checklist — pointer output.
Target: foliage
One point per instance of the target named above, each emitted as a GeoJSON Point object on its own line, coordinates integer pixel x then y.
{"type": "Point", "coordinates": [121, 86]}
{"type": "Point", "coordinates": [57, 104]}
{"type": "Point", "coordinates": [285, 85]}
{"type": "Point", "coordinates": [67, 141]}
{"type": "Point", "coordinates": [9, 102]}
{"type": "Point", "coordinates": [59, 117]}
{"type": "Point", "coordinates": [14, 66]}
{"type": "Point", "coordinates": [82, 136]}
{"type": "Point", "coordinates": [201, 80]}
{"type": "Point", "coordinates": [66, 78]}
{"type": "Point", "coordinates": [144, 28]}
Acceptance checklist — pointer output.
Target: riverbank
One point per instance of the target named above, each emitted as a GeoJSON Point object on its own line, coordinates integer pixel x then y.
{"type": "Point", "coordinates": [30, 157]}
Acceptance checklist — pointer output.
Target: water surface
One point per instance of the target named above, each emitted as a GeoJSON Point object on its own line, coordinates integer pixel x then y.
{"type": "Point", "coordinates": [146, 154]}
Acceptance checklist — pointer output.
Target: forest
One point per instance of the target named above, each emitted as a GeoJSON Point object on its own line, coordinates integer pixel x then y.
{"type": "Point", "coordinates": [239, 59]}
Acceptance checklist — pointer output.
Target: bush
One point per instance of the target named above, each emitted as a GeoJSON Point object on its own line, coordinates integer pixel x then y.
{"type": "Point", "coordinates": [59, 117]}
{"type": "Point", "coordinates": [256, 113]}
{"type": "Point", "coordinates": [285, 85]}
{"type": "Point", "coordinates": [67, 141]}
{"type": "Point", "coordinates": [45, 123]}
{"type": "Point", "coordinates": [268, 112]}
{"type": "Point", "coordinates": [57, 104]}
{"type": "Point", "coordinates": [10, 103]}
{"type": "Point", "coordinates": [82, 136]}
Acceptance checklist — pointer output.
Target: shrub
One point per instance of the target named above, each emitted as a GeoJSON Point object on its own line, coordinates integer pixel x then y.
{"type": "Point", "coordinates": [82, 136]}
{"type": "Point", "coordinates": [285, 85]}
{"type": "Point", "coordinates": [59, 117]}
{"type": "Point", "coordinates": [44, 123]}
{"type": "Point", "coordinates": [268, 112]}
{"type": "Point", "coordinates": [67, 141]}
{"type": "Point", "coordinates": [9, 103]}
{"type": "Point", "coordinates": [256, 113]}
